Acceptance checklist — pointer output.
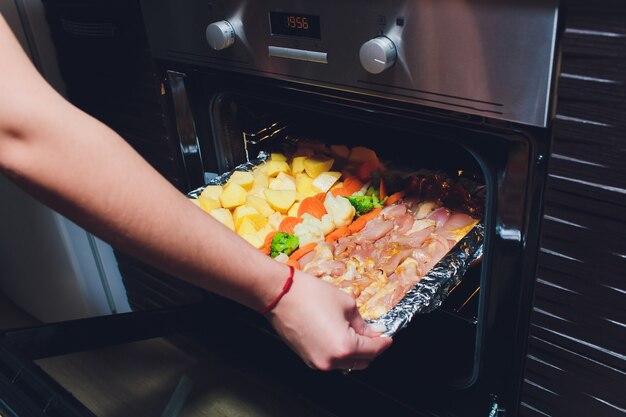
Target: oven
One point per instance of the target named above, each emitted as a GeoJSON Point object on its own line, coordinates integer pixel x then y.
{"type": "Point", "coordinates": [464, 88]}
{"type": "Point", "coordinates": [446, 86]}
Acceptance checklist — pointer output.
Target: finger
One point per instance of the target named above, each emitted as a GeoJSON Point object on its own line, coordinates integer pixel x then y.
{"type": "Point", "coordinates": [370, 347]}
{"type": "Point", "coordinates": [356, 322]}
{"type": "Point", "coordinates": [361, 327]}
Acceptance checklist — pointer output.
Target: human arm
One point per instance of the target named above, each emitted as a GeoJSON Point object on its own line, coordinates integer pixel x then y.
{"type": "Point", "coordinates": [55, 151]}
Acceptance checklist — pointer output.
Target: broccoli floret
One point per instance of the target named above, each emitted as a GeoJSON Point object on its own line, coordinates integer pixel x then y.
{"type": "Point", "coordinates": [371, 191]}
{"type": "Point", "coordinates": [283, 243]}
{"type": "Point", "coordinates": [364, 203]}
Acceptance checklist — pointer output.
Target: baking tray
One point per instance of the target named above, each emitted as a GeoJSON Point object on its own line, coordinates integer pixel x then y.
{"type": "Point", "coordinates": [432, 289]}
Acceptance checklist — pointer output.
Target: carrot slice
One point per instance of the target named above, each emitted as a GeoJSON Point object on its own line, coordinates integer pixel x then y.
{"type": "Point", "coordinates": [293, 262]}
{"type": "Point", "coordinates": [303, 251]}
{"type": "Point", "coordinates": [382, 190]}
{"type": "Point", "coordinates": [338, 233]}
{"type": "Point", "coordinates": [394, 198]}
{"type": "Point", "coordinates": [352, 184]}
{"type": "Point", "coordinates": [313, 206]}
{"type": "Point", "coordinates": [366, 169]}
{"type": "Point", "coordinates": [268, 239]}
{"type": "Point", "coordinates": [320, 196]}
{"type": "Point", "coordinates": [288, 224]}
{"type": "Point", "coordinates": [267, 243]}
{"type": "Point", "coordinates": [360, 223]}
{"type": "Point", "coordinates": [341, 192]}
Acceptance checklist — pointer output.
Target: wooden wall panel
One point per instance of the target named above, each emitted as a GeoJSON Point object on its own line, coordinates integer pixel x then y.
{"type": "Point", "coordinates": [576, 359]}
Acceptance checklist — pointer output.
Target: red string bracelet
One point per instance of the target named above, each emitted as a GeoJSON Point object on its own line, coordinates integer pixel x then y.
{"type": "Point", "coordinates": [280, 295]}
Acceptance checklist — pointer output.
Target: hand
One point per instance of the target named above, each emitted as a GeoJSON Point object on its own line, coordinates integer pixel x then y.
{"type": "Point", "coordinates": [323, 326]}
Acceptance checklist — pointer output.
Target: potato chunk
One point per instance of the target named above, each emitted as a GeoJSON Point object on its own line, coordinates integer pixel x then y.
{"type": "Point", "coordinates": [243, 178]}
{"type": "Point", "coordinates": [253, 239]}
{"type": "Point", "coordinates": [247, 226]}
{"type": "Point", "coordinates": [297, 164]}
{"type": "Point", "coordinates": [223, 216]}
{"type": "Point", "coordinates": [260, 204]}
{"type": "Point", "coordinates": [234, 195]}
{"type": "Point", "coordinates": [283, 182]}
{"type": "Point", "coordinates": [212, 191]}
{"type": "Point", "coordinates": [264, 231]}
{"type": "Point", "coordinates": [208, 204]}
{"type": "Point", "coordinates": [275, 219]}
{"type": "Point", "coordinates": [304, 186]}
{"type": "Point", "coordinates": [274, 167]}
{"type": "Point", "coordinates": [261, 180]}
{"type": "Point", "coordinates": [280, 200]}
{"type": "Point", "coordinates": [242, 211]}
{"type": "Point", "coordinates": [293, 211]}
{"type": "Point", "coordinates": [317, 164]}
{"type": "Point", "coordinates": [258, 220]}
{"type": "Point", "coordinates": [274, 156]}
{"type": "Point", "coordinates": [325, 180]}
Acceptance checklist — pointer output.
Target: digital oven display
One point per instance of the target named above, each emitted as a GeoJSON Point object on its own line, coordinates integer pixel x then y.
{"type": "Point", "coordinates": [295, 24]}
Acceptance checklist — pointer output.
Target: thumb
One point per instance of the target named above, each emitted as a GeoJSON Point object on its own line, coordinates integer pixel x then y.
{"type": "Point", "coordinates": [370, 347]}
{"type": "Point", "coordinates": [361, 327]}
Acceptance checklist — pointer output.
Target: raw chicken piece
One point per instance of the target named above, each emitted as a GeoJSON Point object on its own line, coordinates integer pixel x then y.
{"type": "Point", "coordinates": [394, 211]}
{"type": "Point", "coordinates": [374, 230]}
{"type": "Point", "coordinates": [393, 252]}
{"type": "Point", "coordinates": [439, 216]}
{"type": "Point", "coordinates": [323, 263]}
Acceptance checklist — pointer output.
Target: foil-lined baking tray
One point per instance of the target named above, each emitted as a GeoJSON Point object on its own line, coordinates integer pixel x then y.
{"type": "Point", "coordinates": [435, 286]}
{"type": "Point", "coordinates": [432, 289]}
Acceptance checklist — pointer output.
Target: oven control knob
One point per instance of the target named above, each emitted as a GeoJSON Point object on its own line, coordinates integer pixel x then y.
{"type": "Point", "coordinates": [220, 35]}
{"type": "Point", "coordinates": [378, 54]}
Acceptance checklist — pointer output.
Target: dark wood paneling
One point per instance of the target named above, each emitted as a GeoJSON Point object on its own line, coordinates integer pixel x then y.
{"type": "Point", "coordinates": [576, 359]}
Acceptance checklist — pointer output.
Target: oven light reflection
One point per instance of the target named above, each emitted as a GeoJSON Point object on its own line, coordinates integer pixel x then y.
{"type": "Point", "coordinates": [476, 291]}
{"type": "Point", "coordinates": [558, 220]}
{"type": "Point", "coordinates": [547, 313]}
{"type": "Point", "coordinates": [534, 384]}
{"type": "Point", "coordinates": [560, 255]}
{"type": "Point", "coordinates": [395, 34]}
{"type": "Point", "coordinates": [509, 234]}
{"type": "Point", "coordinates": [615, 322]}
{"type": "Point", "coordinates": [236, 21]}
{"type": "Point", "coordinates": [623, 410]}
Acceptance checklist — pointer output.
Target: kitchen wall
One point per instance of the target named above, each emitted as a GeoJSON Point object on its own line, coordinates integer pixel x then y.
{"type": "Point", "coordinates": [49, 266]}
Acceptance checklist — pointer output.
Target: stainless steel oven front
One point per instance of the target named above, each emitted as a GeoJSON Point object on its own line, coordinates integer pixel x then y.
{"type": "Point", "coordinates": [444, 85]}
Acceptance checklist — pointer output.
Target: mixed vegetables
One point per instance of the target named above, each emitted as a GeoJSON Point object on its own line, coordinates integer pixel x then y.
{"type": "Point", "coordinates": [300, 196]}
{"type": "Point", "coordinates": [287, 205]}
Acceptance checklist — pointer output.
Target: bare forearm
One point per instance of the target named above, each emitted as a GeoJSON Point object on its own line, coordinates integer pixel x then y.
{"type": "Point", "coordinates": [86, 171]}
{"type": "Point", "coordinates": [101, 183]}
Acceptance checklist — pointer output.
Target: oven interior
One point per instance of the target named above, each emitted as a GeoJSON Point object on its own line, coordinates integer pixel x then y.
{"type": "Point", "coordinates": [450, 349]}
{"type": "Point", "coordinates": [242, 126]}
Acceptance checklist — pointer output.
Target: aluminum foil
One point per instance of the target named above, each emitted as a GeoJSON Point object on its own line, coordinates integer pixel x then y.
{"type": "Point", "coordinates": [434, 288]}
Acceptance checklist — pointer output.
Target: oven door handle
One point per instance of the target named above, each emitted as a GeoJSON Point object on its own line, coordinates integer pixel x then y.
{"type": "Point", "coordinates": [186, 128]}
